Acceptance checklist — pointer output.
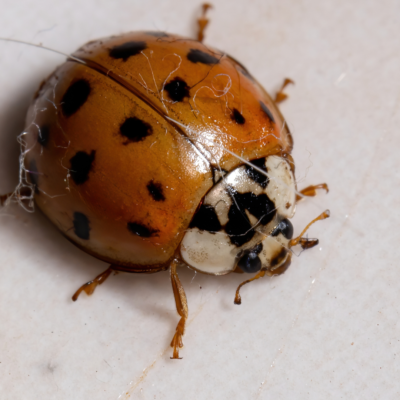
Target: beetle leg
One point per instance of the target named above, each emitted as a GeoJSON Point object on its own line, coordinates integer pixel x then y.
{"type": "Point", "coordinates": [308, 243]}
{"type": "Point", "coordinates": [238, 299]}
{"type": "Point", "coordinates": [90, 286]}
{"type": "Point", "coordinates": [202, 22]}
{"type": "Point", "coordinates": [310, 191]}
{"type": "Point", "coordinates": [181, 307]}
{"type": "Point", "coordinates": [280, 96]}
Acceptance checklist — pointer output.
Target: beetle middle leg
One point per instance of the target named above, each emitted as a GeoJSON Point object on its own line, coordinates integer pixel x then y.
{"type": "Point", "coordinates": [280, 95]}
{"type": "Point", "coordinates": [181, 307]}
{"type": "Point", "coordinates": [90, 286]}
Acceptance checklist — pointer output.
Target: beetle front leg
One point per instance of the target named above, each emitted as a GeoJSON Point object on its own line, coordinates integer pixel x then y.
{"type": "Point", "coordinates": [90, 286]}
{"type": "Point", "coordinates": [311, 191]}
{"type": "Point", "coordinates": [181, 307]}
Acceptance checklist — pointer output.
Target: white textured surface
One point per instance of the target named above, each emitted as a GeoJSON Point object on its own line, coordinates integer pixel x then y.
{"type": "Point", "coordinates": [328, 328]}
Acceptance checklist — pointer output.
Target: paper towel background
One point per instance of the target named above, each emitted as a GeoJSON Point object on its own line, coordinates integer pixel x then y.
{"type": "Point", "coordinates": [328, 328]}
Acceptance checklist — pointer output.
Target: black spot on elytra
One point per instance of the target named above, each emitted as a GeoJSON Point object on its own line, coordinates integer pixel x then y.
{"type": "Point", "coordinates": [135, 130]}
{"type": "Point", "coordinates": [198, 56]}
{"type": "Point", "coordinates": [33, 174]}
{"type": "Point", "coordinates": [156, 33]}
{"type": "Point", "coordinates": [237, 117]}
{"type": "Point", "coordinates": [43, 135]}
{"type": "Point", "coordinates": [81, 225]}
{"type": "Point", "coordinates": [285, 227]}
{"type": "Point", "coordinates": [177, 89]}
{"type": "Point", "coordinates": [257, 176]}
{"type": "Point", "coordinates": [239, 227]}
{"type": "Point", "coordinates": [128, 49]}
{"type": "Point", "coordinates": [156, 191]}
{"type": "Point", "coordinates": [249, 261]}
{"type": "Point", "coordinates": [75, 96]}
{"type": "Point", "coordinates": [266, 110]}
{"type": "Point", "coordinates": [206, 219]}
{"type": "Point", "coordinates": [81, 164]}
{"type": "Point", "coordinates": [140, 230]}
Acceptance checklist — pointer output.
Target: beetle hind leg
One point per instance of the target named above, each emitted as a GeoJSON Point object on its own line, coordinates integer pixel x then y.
{"type": "Point", "coordinates": [181, 307]}
{"type": "Point", "coordinates": [90, 286]}
{"type": "Point", "coordinates": [202, 22]}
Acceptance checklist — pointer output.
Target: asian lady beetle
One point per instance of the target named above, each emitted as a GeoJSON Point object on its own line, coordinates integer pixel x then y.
{"type": "Point", "coordinates": [150, 150]}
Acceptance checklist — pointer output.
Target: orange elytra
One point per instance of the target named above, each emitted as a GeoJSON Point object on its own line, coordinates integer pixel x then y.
{"type": "Point", "coordinates": [150, 150]}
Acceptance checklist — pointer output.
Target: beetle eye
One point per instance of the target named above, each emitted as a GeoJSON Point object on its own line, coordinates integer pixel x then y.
{"type": "Point", "coordinates": [285, 227]}
{"type": "Point", "coordinates": [249, 260]}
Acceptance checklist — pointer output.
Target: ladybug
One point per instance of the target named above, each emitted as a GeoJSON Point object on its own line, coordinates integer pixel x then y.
{"type": "Point", "coordinates": [151, 151]}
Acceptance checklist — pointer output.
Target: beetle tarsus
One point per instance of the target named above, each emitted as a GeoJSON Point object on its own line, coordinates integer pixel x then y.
{"type": "Point", "coordinates": [203, 22]}
{"type": "Point", "coordinates": [306, 243]}
{"type": "Point", "coordinates": [177, 342]}
{"type": "Point", "coordinates": [181, 307]}
{"type": "Point", "coordinates": [90, 286]}
{"type": "Point", "coordinates": [311, 191]}
{"type": "Point", "coordinates": [280, 95]}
